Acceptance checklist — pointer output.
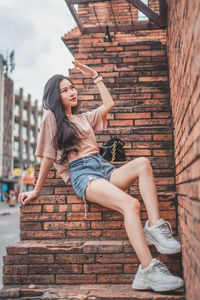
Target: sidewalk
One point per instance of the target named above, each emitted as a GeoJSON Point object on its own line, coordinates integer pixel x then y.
{"type": "Point", "coordinates": [5, 209]}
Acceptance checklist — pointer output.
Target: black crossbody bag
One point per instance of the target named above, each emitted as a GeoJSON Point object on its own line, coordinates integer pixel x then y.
{"type": "Point", "coordinates": [113, 150]}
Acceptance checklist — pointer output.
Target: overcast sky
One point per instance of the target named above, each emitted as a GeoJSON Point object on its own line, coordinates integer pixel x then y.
{"type": "Point", "coordinates": [33, 29]}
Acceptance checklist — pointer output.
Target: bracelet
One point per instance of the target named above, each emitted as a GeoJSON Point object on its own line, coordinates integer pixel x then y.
{"type": "Point", "coordinates": [99, 78]}
{"type": "Point", "coordinates": [95, 76]}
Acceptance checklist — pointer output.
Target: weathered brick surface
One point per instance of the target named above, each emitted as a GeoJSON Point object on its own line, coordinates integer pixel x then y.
{"type": "Point", "coordinates": [184, 73]}
{"type": "Point", "coordinates": [84, 292]}
{"type": "Point", "coordinates": [75, 262]}
{"type": "Point", "coordinates": [68, 220]}
{"type": "Point", "coordinates": [141, 118]}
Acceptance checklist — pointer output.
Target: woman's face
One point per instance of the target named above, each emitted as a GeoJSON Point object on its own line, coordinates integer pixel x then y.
{"type": "Point", "coordinates": [68, 95]}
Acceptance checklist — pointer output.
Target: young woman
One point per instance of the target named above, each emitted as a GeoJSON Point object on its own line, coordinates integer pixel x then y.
{"type": "Point", "coordinates": [67, 140]}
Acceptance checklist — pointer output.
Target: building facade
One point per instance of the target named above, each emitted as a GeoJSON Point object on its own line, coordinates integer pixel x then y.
{"type": "Point", "coordinates": [27, 117]}
{"type": "Point", "coordinates": [19, 125]}
{"type": "Point", "coordinates": [7, 181]}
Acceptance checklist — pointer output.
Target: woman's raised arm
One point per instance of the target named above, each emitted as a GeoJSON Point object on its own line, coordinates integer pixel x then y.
{"type": "Point", "coordinates": [45, 166]}
{"type": "Point", "coordinates": [106, 97]}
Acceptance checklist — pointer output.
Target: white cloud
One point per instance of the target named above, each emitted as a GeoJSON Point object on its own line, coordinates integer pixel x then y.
{"type": "Point", "coordinates": [34, 29]}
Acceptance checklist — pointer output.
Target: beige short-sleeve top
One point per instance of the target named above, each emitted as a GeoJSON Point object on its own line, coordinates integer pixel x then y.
{"type": "Point", "coordinates": [88, 122]}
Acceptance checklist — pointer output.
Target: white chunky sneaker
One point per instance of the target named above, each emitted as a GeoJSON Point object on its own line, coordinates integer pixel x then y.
{"type": "Point", "coordinates": [156, 277]}
{"type": "Point", "coordinates": [160, 235]}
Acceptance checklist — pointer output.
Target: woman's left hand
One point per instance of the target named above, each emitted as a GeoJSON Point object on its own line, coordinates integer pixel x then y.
{"type": "Point", "coordinates": [85, 69]}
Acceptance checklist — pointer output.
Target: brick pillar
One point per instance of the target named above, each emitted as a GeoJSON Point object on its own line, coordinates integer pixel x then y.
{"type": "Point", "coordinates": [183, 53]}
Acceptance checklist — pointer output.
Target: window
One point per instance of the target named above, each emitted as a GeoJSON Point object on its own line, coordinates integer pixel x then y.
{"type": "Point", "coordinates": [32, 119]}
{"type": "Point", "coordinates": [24, 132]}
{"type": "Point", "coordinates": [16, 129]}
{"type": "Point", "coordinates": [16, 110]}
{"type": "Point", "coordinates": [32, 136]}
{"type": "Point", "coordinates": [39, 120]}
{"type": "Point", "coordinates": [25, 148]}
{"type": "Point", "coordinates": [141, 16]}
{"type": "Point", "coordinates": [32, 150]}
{"type": "Point", "coordinates": [16, 146]}
{"type": "Point", "coordinates": [25, 114]}
{"type": "Point", "coordinates": [32, 153]}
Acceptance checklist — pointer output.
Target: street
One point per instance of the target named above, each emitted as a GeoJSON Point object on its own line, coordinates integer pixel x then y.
{"type": "Point", "coordinates": [9, 230]}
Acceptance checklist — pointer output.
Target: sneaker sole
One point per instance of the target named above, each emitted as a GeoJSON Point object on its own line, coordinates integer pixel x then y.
{"type": "Point", "coordinates": [163, 250]}
{"type": "Point", "coordinates": [140, 285]}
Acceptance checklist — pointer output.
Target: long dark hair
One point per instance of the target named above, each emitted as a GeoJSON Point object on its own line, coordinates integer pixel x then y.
{"type": "Point", "coordinates": [68, 135]}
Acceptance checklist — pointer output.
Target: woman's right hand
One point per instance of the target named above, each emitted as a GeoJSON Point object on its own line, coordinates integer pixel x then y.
{"type": "Point", "coordinates": [26, 197]}
{"type": "Point", "coordinates": [45, 166]}
{"type": "Point", "coordinates": [85, 69]}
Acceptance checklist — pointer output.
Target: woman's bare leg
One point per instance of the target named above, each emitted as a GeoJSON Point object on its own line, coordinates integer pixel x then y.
{"type": "Point", "coordinates": [124, 177]}
{"type": "Point", "coordinates": [106, 194]}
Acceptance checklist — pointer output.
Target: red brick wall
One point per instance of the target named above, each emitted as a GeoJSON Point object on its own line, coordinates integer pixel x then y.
{"type": "Point", "coordinates": [136, 75]}
{"type": "Point", "coordinates": [184, 70]}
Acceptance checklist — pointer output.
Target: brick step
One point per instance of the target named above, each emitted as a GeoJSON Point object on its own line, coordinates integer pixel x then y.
{"type": "Point", "coordinates": [163, 173]}
{"type": "Point", "coordinates": [132, 81]}
{"type": "Point", "coordinates": [162, 166]}
{"type": "Point", "coordinates": [136, 112]}
{"type": "Point", "coordinates": [154, 53]}
{"type": "Point", "coordinates": [129, 85]}
{"type": "Point", "coordinates": [140, 129]}
{"type": "Point", "coordinates": [85, 292]}
{"type": "Point", "coordinates": [137, 68]}
{"type": "Point", "coordinates": [141, 66]}
{"type": "Point", "coordinates": [133, 44]}
{"type": "Point", "coordinates": [151, 106]}
{"type": "Point", "coordinates": [136, 73]}
{"type": "Point", "coordinates": [129, 104]}
{"type": "Point", "coordinates": [91, 90]}
{"type": "Point", "coordinates": [161, 86]}
{"type": "Point", "coordinates": [62, 215]}
{"type": "Point", "coordinates": [160, 177]}
{"type": "Point", "coordinates": [139, 120]}
{"type": "Point", "coordinates": [119, 60]}
{"type": "Point", "coordinates": [148, 84]}
{"type": "Point", "coordinates": [141, 140]}
{"type": "Point", "coordinates": [76, 262]}
{"type": "Point", "coordinates": [145, 96]}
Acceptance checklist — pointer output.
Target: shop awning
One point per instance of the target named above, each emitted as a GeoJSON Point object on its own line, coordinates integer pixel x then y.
{"type": "Point", "coordinates": [8, 180]}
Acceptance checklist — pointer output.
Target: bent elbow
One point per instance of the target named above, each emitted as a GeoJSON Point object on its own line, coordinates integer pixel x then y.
{"type": "Point", "coordinates": [112, 106]}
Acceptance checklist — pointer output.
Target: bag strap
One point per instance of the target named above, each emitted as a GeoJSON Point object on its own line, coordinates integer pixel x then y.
{"type": "Point", "coordinates": [114, 151]}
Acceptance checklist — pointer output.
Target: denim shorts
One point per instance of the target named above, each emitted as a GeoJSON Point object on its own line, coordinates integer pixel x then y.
{"type": "Point", "coordinates": [86, 169]}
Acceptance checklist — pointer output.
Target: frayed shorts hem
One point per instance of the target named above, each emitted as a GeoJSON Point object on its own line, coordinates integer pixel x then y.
{"type": "Point", "coordinates": [87, 169]}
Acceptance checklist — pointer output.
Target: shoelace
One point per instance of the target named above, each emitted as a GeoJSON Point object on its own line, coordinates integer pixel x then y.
{"type": "Point", "coordinates": [166, 231]}
{"type": "Point", "coordinates": [161, 267]}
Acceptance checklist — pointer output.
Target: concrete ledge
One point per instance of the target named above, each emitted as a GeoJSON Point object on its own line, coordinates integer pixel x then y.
{"type": "Point", "coordinates": [86, 292]}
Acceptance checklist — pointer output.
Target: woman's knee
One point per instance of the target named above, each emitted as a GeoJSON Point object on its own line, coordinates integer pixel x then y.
{"type": "Point", "coordinates": [132, 204]}
{"type": "Point", "coordinates": [145, 165]}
